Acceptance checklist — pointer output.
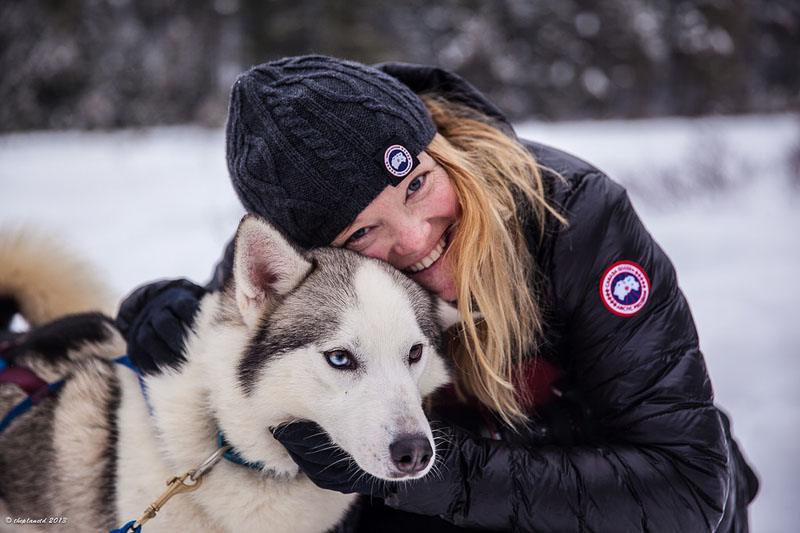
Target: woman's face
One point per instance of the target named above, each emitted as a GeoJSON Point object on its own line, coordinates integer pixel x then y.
{"type": "Point", "coordinates": [410, 225]}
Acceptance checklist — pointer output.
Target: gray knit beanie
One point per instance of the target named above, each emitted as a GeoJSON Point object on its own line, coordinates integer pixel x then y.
{"type": "Point", "coordinates": [312, 140]}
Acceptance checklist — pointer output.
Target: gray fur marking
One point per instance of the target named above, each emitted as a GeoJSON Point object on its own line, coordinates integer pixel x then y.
{"type": "Point", "coordinates": [295, 323]}
{"type": "Point", "coordinates": [36, 480]}
{"type": "Point", "coordinates": [24, 445]}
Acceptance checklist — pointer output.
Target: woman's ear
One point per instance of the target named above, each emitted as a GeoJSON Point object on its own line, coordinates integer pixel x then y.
{"type": "Point", "coordinates": [265, 267]}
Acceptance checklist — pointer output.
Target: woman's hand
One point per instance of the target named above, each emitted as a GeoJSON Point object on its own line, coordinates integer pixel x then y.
{"type": "Point", "coordinates": [154, 320]}
{"type": "Point", "coordinates": [330, 467]}
{"type": "Point", "coordinates": [325, 463]}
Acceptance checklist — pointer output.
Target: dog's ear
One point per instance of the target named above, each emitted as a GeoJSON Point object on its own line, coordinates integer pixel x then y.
{"type": "Point", "coordinates": [265, 267]}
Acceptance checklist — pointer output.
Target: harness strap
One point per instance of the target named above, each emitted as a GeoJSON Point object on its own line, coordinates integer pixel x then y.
{"type": "Point", "coordinates": [126, 361]}
{"type": "Point", "coordinates": [127, 528]}
{"type": "Point", "coordinates": [27, 403]}
{"type": "Point", "coordinates": [25, 379]}
{"type": "Point", "coordinates": [35, 387]}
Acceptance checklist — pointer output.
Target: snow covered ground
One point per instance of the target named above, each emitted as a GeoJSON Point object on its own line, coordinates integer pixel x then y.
{"type": "Point", "coordinates": [717, 193]}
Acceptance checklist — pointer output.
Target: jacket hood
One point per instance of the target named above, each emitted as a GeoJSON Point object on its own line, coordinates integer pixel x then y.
{"type": "Point", "coordinates": [430, 79]}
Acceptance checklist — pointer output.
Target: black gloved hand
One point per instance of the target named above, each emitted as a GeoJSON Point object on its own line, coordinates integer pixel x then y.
{"type": "Point", "coordinates": [440, 493]}
{"type": "Point", "coordinates": [325, 463]}
{"type": "Point", "coordinates": [154, 319]}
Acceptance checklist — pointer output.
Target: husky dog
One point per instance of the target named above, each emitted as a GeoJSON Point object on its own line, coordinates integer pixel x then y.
{"type": "Point", "coordinates": [326, 335]}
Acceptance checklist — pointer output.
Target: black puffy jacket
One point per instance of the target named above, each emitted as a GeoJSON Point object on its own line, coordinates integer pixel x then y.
{"type": "Point", "coordinates": [645, 448]}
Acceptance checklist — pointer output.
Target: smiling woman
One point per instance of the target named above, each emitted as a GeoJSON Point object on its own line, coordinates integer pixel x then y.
{"type": "Point", "coordinates": [408, 226]}
{"type": "Point", "coordinates": [563, 408]}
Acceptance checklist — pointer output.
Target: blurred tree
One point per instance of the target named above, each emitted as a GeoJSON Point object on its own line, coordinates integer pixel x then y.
{"type": "Point", "coordinates": [115, 63]}
{"type": "Point", "coordinates": [362, 30]}
{"type": "Point", "coordinates": [104, 64]}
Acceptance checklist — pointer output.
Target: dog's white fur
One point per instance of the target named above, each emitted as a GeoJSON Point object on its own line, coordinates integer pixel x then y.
{"type": "Point", "coordinates": [176, 428]}
{"type": "Point", "coordinates": [206, 394]}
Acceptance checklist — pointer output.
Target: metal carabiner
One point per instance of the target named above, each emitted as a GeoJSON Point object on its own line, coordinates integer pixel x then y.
{"type": "Point", "coordinates": [209, 463]}
{"type": "Point", "coordinates": [175, 486]}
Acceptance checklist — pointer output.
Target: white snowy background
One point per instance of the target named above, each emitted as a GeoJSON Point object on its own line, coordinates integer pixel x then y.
{"type": "Point", "coordinates": [719, 194]}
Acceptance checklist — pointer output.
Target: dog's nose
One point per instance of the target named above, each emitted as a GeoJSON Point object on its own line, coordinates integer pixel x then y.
{"type": "Point", "coordinates": [411, 453]}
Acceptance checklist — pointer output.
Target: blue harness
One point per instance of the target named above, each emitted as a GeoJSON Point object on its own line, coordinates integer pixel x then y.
{"type": "Point", "coordinates": [37, 389]}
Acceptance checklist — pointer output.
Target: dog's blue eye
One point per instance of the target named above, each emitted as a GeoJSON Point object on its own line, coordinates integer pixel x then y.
{"type": "Point", "coordinates": [415, 353]}
{"type": "Point", "coordinates": [340, 359]}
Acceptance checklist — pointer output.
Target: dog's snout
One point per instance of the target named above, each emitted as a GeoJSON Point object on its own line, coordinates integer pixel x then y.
{"type": "Point", "coordinates": [411, 453]}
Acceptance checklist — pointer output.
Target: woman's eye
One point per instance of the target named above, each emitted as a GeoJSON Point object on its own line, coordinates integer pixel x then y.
{"type": "Point", "coordinates": [357, 235]}
{"type": "Point", "coordinates": [415, 185]}
{"type": "Point", "coordinates": [415, 353]}
{"type": "Point", "coordinates": [340, 359]}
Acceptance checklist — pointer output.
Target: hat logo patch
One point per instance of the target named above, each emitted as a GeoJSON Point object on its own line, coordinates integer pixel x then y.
{"type": "Point", "coordinates": [398, 160]}
{"type": "Point", "coordinates": [624, 288]}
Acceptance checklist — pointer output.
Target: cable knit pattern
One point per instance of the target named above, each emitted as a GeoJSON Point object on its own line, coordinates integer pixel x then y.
{"type": "Point", "coordinates": [303, 139]}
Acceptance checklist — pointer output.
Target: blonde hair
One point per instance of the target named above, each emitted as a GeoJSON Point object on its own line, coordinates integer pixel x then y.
{"type": "Point", "coordinates": [499, 186]}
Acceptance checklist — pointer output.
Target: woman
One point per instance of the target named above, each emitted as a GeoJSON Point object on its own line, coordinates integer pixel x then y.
{"type": "Point", "coordinates": [582, 400]}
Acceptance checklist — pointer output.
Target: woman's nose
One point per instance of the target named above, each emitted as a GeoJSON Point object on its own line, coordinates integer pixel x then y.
{"type": "Point", "coordinates": [412, 236]}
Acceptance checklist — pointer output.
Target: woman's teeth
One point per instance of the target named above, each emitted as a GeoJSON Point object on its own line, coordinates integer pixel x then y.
{"type": "Point", "coordinates": [431, 258]}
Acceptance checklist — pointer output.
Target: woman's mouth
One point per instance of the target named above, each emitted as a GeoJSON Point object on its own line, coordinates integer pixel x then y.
{"type": "Point", "coordinates": [431, 258]}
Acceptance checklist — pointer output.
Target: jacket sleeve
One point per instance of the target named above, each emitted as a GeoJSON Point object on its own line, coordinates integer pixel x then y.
{"type": "Point", "coordinates": [657, 458]}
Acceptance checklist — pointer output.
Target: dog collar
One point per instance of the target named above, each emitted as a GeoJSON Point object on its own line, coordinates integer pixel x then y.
{"type": "Point", "coordinates": [230, 453]}
{"type": "Point", "coordinates": [232, 456]}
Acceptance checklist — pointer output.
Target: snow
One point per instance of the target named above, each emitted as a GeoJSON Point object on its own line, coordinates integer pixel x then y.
{"type": "Point", "coordinates": [717, 193]}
